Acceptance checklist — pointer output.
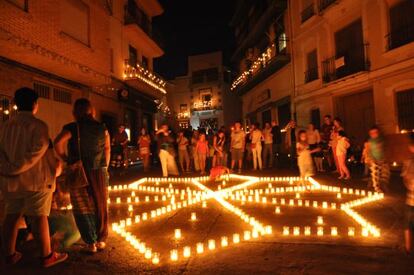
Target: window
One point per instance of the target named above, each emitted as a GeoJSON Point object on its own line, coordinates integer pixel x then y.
{"type": "Point", "coordinates": [62, 95]}
{"type": "Point", "coordinates": [145, 62]}
{"type": "Point", "coordinates": [312, 66]}
{"type": "Point", "coordinates": [405, 109]}
{"type": "Point", "coordinates": [206, 75]}
{"type": "Point", "coordinates": [133, 56]}
{"type": "Point", "coordinates": [307, 10]}
{"type": "Point", "coordinates": [74, 20]}
{"type": "Point", "coordinates": [316, 118]}
{"type": "Point", "coordinates": [401, 24]}
{"type": "Point", "coordinates": [42, 90]}
{"type": "Point", "coordinates": [282, 42]}
{"type": "Point", "coordinates": [206, 97]}
{"type": "Point", "coordinates": [22, 4]}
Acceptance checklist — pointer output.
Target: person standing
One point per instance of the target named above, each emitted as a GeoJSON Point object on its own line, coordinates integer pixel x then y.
{"type": "Point", "coordinates": [337, 126]}
{"type": "Point", "coordinates": [277, 142]}
{"type": "Point", "coordinates": [304, 153]}
{"type": "Point", "coordinates": [326, 132]}
{"type": "Point", "coordinates": [380, 171]}
{"type": "Point", "coordinates": [27, 178]}
{"type": "Point", "coordinates": [120, 145]}
{"type": "Point", "coordinates": [88, 141]}
{"type": "Point", "coordinates": [218, 145]}
{"type": "Point", "coordinates": [144, 147]}
{"type": "Point", "coordinates": [268, 146]}
{"type": "Point", "coordinates": [194, 140]}
{"type": "Point", "coordinates": [202, 150]}
{"type": "Point", "coordinates": [183, 157]}
{"type": "Point", "coordinates": [314, 140]}
{"type": "Point", "coordinates": [256, 145]}
{"type": "Point", "coordinates": [342, 145]}
{"type": "Point", "coordinates": [237, 146]}
{"type": "Point", "coordinates": [166, 151]}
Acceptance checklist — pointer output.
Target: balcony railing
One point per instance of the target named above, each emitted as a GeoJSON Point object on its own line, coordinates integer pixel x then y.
{"type": "Point", "coordinates": [308, 12]}
{"type": "Point", "coordinates": [311, 74]}
{"type": "Point", "coordinates": [323, 4]}
{"type": "Point", "coordinates": [134, 15]}
{"type": "Point", "coordinates": [337, 67]}
{"type": "Point", "coordinates": [400, 37]}
{"type": "Point", "coordinates": [139, 72]}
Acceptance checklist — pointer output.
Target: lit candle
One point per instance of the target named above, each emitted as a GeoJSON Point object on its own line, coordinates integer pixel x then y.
{"type": "Point", "coordinates": [174, 255]}
{"type": "Point", "coordinates": [320, 231]}
{"type": "Point", "coordinates": [204, 204]}
{"type": "Point", "coordinates": [365, 232]}
{"type": "Point", "coordinates": [144, 216]}
{"type": "Point", "coordinates": [320, 220]}
{"type": "Point", "coordinates": [118, 200]}
{"type": "Point", "coordinates": [268, 229]}
{"type": "Point", "coordinates": [130, 208]}
{"type": "Point", "coordinates": [177, 233]}
{"type": "Point", "coordinates": [255, 234]}
{"type": "Point", "coordinates": [156, 258]}
{"type": "Point", "coordinates": [129, 200]}
{"type": "Point", "coordinates": [136, 199]}
{"type": "Point", "coordinates": [236, 238]}
{"type": "Point", "coordinates": [338, 196]}
{"type": "Point", "coordinates": [307, 203]}
{"type": "Point", "coordinates": [324, 204]}
{"type": "Point", "coordinates": [291, 202]}
{"type": "Point", "coordinates": [200, 248]}
{"type": "Point", "coordinates": [351, 231]}
{"type": "Point", "coordinates": [193, 216]}
{"type": "Point", "coordinates": [297, 195]}
{"type": "Point", "coordinates": [148, 253]}
{"type": "Point", "coordinates": [315, 204]}
{"type": "Point", "coordinates": [334, 231]}
{"type": "Point", "coordinates": [247, 235]}
{"type": "Point", "coordinates": [285, 230]}
{"type": "Point", "coordinates": [187, 252]}
{"type": "Point", "coordinates": [277, 210]}
{"type": "Point", "coordinates": [211, 244]}
{"type": "Point", "coordinates": [296, 231]}
{"type": "Point", "coordinates": [307, 230]}
{"type": "Point", "coordinates": [224, 241]}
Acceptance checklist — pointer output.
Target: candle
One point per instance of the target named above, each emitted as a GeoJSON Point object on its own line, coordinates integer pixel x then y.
{"type": "Point", "coordinates": [187, 252]}
{"type": "Point", "coordinates": [204, 204]}
{"type": "Point", "coordinates": [307, 230]}
{"type": "Point", "coordinates": [246, 235]}
{"type": "Point", "coordinates": [211, 244]}
{"type": "Point", "coordinates": [156, 258]}
{"type": "Point", "coordinates": [177, 233]}
{"type": "Point", "coordinates": [224, 241]}
{"type": "Point", "coordinates": [320, 220]}
{"type": "Point", "coordinates": [118, 200]}
{"type": "Point", "coordinates": [351, 231]}
{"type": "Point", "coordinates": [236, 238]}
{"type": "Point", "coordinates": [148, 253]}
{"type": "Point", "coordinates": [365, 232]}
{"type": "Point", "coordinates": [334, 231]}
{"type": "Point", "coordinates": [200, 248]}
{"type": "Point", "coordinates": [296, 231]}
{"type": "Point", "coordinates": [338, 196]}
{"type": "Point", "coordinates": [255, 234]}
{"type": "Point", "coordinates": [320, 231]}
{"type": "Point", "coordinates": [277, 210]}
{"type": "Point", "coordinates": [285, 230]}
{"type": "Point", "coordinates": [193, 216]}
{"type": "Point", "coordinates": [268, 229]}
{"type": "Point", "coordinates": [174, 255]}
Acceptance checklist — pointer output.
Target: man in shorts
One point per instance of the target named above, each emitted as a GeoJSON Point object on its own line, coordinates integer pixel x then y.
{"type": "Point", "coordinates": [27, 179]}
{"type": "Point", "coordinates": [237, 146]}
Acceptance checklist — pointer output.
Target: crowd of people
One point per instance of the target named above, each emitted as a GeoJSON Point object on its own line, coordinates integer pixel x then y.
{"type": "Point", "coordinates": [30, 164]}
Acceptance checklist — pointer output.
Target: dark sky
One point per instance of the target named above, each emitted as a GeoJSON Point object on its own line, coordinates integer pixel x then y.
{"type": "Point", "coordinates": [192, 27]}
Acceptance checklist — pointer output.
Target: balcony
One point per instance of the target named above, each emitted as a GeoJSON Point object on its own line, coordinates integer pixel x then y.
{"type": "Point", "coordinates": [345, 64]}
{"type": "Point", "coordinates": [139, 28]}
{"type": "Point", "coordinates": [272, 60]}
{"type": "Point", "coordinates": [307, 12]}
{"type": "Point", "coordinates": [138, 75]}
{"type": "Point", "coordinates": [324, 4]}
{"type": "Point", "coordinates": [400, 37]}
{"type": "Point", "coordinates": [311, 75]}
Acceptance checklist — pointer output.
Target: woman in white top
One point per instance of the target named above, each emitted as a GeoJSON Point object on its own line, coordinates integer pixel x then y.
{"type": "Point", "coordinates": [313, 137]}
{"type": "Point", "coordinates": [341, 150]}
{"type": "Point", "coordinates": [256, 145]}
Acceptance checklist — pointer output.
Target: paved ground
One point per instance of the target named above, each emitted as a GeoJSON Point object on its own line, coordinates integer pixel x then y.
{"type": "Point", "coordinates": [270, 255]}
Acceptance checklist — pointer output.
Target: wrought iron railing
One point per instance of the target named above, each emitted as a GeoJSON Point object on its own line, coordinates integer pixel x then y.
{"type": "Point", "coordinates": [400, 37]}
{"type": "Point", "coordinates": [345, 64]}
{"type": "Point", "coordinates": [311, 74]}
{"type": "Point", "coordinates": [308, 12]}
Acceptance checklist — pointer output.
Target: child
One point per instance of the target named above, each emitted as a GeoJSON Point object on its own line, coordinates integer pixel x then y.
{"type": "Point", "coordinates": [218, 171]}
{"type": "Point", "coordinates": [408, 176]}
{"type": "Point", "coordinates": [202, 151]}
{"type": "Point", "coordinates": [380, 171]}
{"type": "Point", "coordinates": [341, 150]}
{"type": "Point", "coordinates": [305, 162]}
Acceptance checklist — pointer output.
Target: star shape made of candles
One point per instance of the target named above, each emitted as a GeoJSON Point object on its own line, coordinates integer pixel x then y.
{"type": "Point", "coordinates": [241, 197]}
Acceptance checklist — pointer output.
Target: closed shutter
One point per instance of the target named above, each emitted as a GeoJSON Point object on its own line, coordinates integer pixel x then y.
{"type": "Point", "coordinates": [405, 109]}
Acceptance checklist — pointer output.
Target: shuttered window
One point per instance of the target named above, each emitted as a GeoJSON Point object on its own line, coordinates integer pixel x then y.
{"type": "Point", "coordinates": [405, 109]}
{"type": "Point", "coordinates": [74, 19]}
{"type": "Point", "coordinates": [42, 90]}
{"type": "Point", "coordinates": [62, 95]}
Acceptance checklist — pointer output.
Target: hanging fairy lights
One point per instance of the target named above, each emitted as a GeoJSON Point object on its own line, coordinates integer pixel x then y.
{"type": "Point", "coordinates": [145, 75]}
{"type": "Point", "coordinates": [178, 193]}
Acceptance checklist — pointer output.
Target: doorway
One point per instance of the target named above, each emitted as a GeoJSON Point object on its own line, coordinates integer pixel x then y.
{"type": "Point", "coordinates": [357, 113]}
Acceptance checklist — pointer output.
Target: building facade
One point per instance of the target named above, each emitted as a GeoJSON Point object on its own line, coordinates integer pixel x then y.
{"type": "Point", "coordinates": [102, 50]}
{"type": "Point", "coordinates": [262, 61]}
{"type": "Point", "coordinates": [202, 98]}
{"type": "Point", "coordinates": [349, 59]}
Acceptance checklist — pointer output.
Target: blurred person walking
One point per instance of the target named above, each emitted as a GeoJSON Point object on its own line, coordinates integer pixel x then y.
{"type": "Point", "coordinates": [256, 137]}
{"type": "Point", "coordinates": [268, 146]}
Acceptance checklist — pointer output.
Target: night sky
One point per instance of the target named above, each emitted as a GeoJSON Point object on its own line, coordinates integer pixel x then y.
{"type": "Point", "coordinates": [190, 27]}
